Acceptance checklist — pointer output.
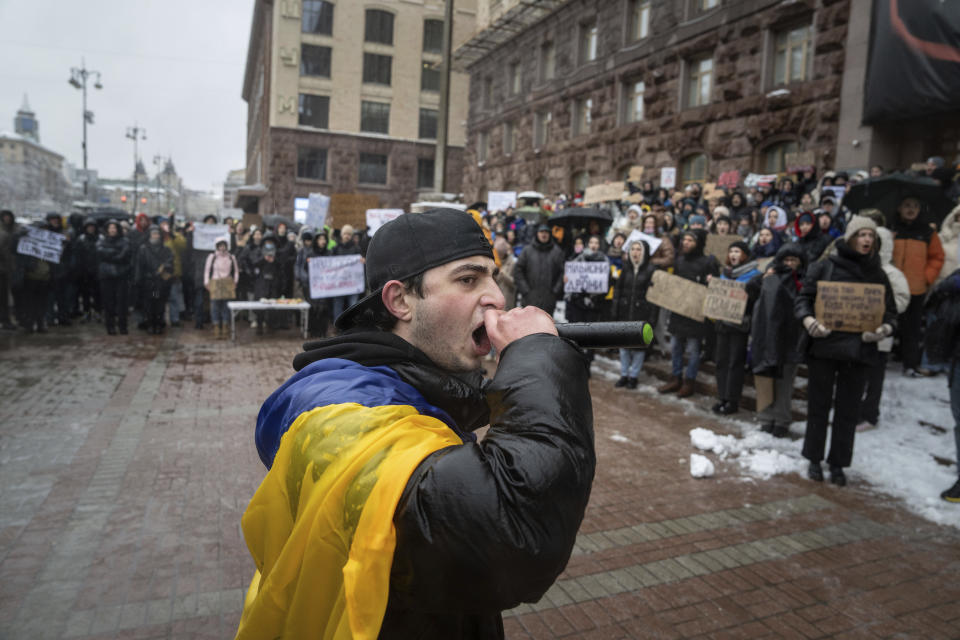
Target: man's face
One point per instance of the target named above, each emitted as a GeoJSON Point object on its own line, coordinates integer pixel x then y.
{"type": "Point", "coordinates": [636, 252]}
{"type": "Point", "coordinates": [688, 244]}
{"type": "Point", "coordinates": [909, 209]}
{"type": "Point", "coordinates": [55, 223]}
{"type": "Point", "coordinates": [346, 237]}
{"type": "Point", "coordinates": [792, 262]}
{"type": "Point", "coordinates": [876, 172]}
{"type": "Point", "coordinates": [543, 236]}
{"type": "Point", "coordinates": [112, 230]}
{"type": "Point", "coordinates": [863, 241]}
{"type": "Point", "coordinates": [931, 167]}
{"type": "Point", "coordinates": [447, 323]}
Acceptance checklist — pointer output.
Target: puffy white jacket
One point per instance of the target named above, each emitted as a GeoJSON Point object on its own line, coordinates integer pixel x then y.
{"type": "Point", "coordinates": [898, 281]}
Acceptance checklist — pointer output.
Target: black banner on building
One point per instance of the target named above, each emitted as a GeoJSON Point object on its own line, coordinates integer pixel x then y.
{"type": "Point", "coordinates": [914, 66]}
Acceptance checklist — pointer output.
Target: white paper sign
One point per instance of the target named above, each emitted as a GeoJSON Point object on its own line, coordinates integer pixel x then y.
{"type": "Point", "coordinates": [332, 276]}
{"type": "Point", "coordinates": [668, 177]}
{"type": "Point", "coordinates": [500, 200]}
{"type": "Point", "coordinates": [755, 179]}
{"type": "Point", "coordinates": [317, 210]}
{"type": "Point", "coordinates": [376, 218]}
{"type": "Point", "coordinates": [43, 244]}
{"type": "Point", "coordinates": [586, 277]}
{"type": "Point", "coordinates": [653, 243]}
{"type": "Point", "coordinates": [205, 236]}
{"type": "Point", "coordinates": [836, 192]}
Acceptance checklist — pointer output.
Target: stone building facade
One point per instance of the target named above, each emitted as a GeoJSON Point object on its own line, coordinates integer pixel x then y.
{"type": "Point", "coordinates": [597, 86]}
{"type": "Point", "coordinates": [343, 100]}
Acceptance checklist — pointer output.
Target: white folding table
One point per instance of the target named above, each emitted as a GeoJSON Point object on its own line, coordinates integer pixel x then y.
{"type": "Point", "coordinates": [237, 305]}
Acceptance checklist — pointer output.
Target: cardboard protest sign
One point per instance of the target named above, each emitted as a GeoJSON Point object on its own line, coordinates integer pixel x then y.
{"type": "Point", "coordinates": [729, 179]}
{"type": "Point", "coordinates": [677, 294]}
{"type": "Point", "coordinates": [653, 243]}
{"type": "Point", "coordinates": [376, 218]}
{"type": "Point", "coordinates": [501, 200]}
{"type": "Point", "coordinates": [603, 193]}
{"type": "Point", "coordinates": [635, 198]}
{"type": "Point", "coordinates": [317, 210]}
{"type": "Point", "coordinates": [636, 174]}
{"type": "Point", "coordinates": [725, 300]}
{"type": "Point", "coordinates": [849, 306]}
{"type": "Point", "coordinates": [718, 245]}
{"type": "Point", "coordinates": [799, 161]}
{"type": "Point", "coordinates": [668, 177]}
{"type": "Point", "coordinates": [42, 244]}
{"type": "Point", "coordinates": [351, 208]}
{"type": "Point", "coordinates": [332, 276]}
{"type": "Point", "coordinates": [710, 191]}
{"type": "Point", "coordinates": [764, 387]}
{"type": "Point", "coordinates": [586, 277]}
{"type": "Point", "coordinates": [205, 236]}
{"type": "Point", "coordinates": [250, 219]}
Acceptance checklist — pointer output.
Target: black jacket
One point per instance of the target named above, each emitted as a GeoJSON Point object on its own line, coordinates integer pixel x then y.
{"type": "Point", "coordinates": [630, 291]}
{"type": "Point", "coordinates": [270, 280]}
{"type": "Point", "coordinates": [845, 266]}
{"type": "Point", "coordinates": [86, 254]}
{"type": "Point", "coordinates": [154, 261]}
{"type": "Point", "coordinates": [484, 526]}
{"type": "Point", "coordinates": [775, 331]}
{"type": "Point", "coordinates": [943, 334]}
{"type": "Point", "coordinates": [302, 270]}
{"type": "Point", "coordinates": [693, 266]}
{"type": "Point", "coordinates": [539, 274]}
{"type": "Point", "coordinates": [114, 256]}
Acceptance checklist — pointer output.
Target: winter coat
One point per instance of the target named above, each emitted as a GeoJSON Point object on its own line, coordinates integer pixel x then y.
{"type": "Point", "coordinates": [950, 241]}
{"type": "Point", "coordinates": [221, 266]}
{"type": "Point", "coordinates": [178, 247]}
{"type": "Point", "coordinates": [665, 255]}
{"type": "Point", "coordinates": [154, 261]}
{"type": "Point", "coordinates": [114, 256]}
{"type": "Point", "coordinates": [302, 269]}
{"type": "Point", "coordinates": [917, 252]}
{"type": "Point", "coordinates": [539, 274]}
{"type": "Point", "coordinates": [505, 280]}
{"type": "Point", "coordinates": [750, 275]}
{"type": "Point", "coordinates": [250, 258]}
{"type": "Point", "coordinates": [287, 256]}
{"type": "Point", "coordinates": [693, 266]}
{"type": "Point", "coordinates": [27, 269]}
{"type": "Point", "coordinates": [630, 290]}
{"type": "Point", "coordinates": [590, 302]}
{"type": "Point", "coordinates": [901, 288]}
{"type": "Point", "coordinates": [846, 266]}
{"type": "Point", "coordinates": [775, 331]}
{"type": "Point", "coordinates": [943, 335]}
{"type": "Point", "coordinates": [195, 261]}
{"type": "Point", "coordinates": [86, 252]}
{"type": "Point", "coordinates": [8, 247]}
{"type": "Point", "coordinates": [814, 244]}
{"type": "Point", "coordinates": [270, 280]}
{"type": "Point", "coordinates": [479, 527]}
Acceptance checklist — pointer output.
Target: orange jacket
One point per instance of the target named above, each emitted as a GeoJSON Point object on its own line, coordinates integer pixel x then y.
{"type": "Point", "coordinates": [919, 260]}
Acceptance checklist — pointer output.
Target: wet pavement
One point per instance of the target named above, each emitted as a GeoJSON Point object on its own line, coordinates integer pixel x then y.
{"type": "Point", "coordinates": [127, 461]}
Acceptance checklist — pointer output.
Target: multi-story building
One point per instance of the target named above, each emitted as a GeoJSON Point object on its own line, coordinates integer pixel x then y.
{"type": "Point", "coordinates": [32, 177]}
{"type": "Point", "coordinates": [235, 179]}
{"type": "Point", "coordinates": [343, 98]}
{"type": "Point", "coordinates": [569, 93]}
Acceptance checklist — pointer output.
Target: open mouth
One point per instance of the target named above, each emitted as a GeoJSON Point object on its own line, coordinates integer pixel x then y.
{"type": "Point", "coordinates": [481, 342]}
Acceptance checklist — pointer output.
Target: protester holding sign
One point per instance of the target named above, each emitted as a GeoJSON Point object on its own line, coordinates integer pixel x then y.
{"type": "Point", "coordinates": [630, 304]}
{"type": "Point", "coordinates": [319, 317]}
{"type": "Point", "coordinates": [837, 360]}
{"type": "Point", "coordinates": [346, 247]}
{"type": "Point", "coordinates": [201, 246]}
{"type": "Point", "coordinates": [32, 284]}
{"type": "Point", "coordinates": [586, 304]}
{"type": "Point", "coordinates": [732, 337]}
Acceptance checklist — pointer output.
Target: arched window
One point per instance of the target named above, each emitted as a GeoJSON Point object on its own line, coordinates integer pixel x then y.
{"type": "Point", "coordinates": [379, 27]}
{"type": "Point", "coordinates": [693, 168]}
{"type": "Point", "coordinates": [580, 181]}
{"type": "Point", "coordinates": [775, 155]}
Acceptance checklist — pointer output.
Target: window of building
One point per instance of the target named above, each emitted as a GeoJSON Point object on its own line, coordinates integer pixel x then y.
{"type": "Point", "coordinates": [483, 146]}
{"type": "Point", "coordinates": [513, 78]}
{"type": "Point", "coordinates": [429, 77]}
{"type": "Point", "coordinates": [487, 92]}
{"type": "Point", "coordinates": [699, 81]}
{"type": "Point", "coordinates": [373, 168]}
{"type": "Point", "coordinates": [315, 61]}
{"type": "Point", "coordinates": [312, 163]}
{"type": "Point", "coordinates": [693, 168]}
{"type": "Point", "coordinates": [433, 36]}
{"type": "Point", "coordinates": [375, 117]}
{"type": "Point", "coordinates": [379, 27]}
{"type": "Point", "coordinates": [428, 124]}
{"type": "Point", "coordinates": [639, 20]}
{"type": "Point", "coordinates": [314, 111]}
{"type": "Point", "coordinates": [793, 57]}
{"type": "Point", "coordinates": [548, 61]}
{"type": "Point", "coordinates": [541, 129]}
{"type": "Point", "coordinates": [377, 68]}
{"type": "Point", "coordinates": [317, 17]}
{"type": "Point", "coordinates": [425, 170]}
{"type": "Point", "coordinates": [507, 138]}
{"type": "Point", "coordinates": [775, 156]}
{"type": "Point", "coordinates": [580, 181]}
{"type": "Point", "coordinates": [582, 116]}
{"type": "Point", "coordinates": [588, 42]}
{"type": "Point", "coordinates": [633, 101]}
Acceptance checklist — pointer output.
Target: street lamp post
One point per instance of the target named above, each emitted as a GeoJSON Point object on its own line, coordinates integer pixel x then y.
{"type": "Point", "coordinates": [136, 133]}
{"type": "Point", "coordinates": [78, 79]}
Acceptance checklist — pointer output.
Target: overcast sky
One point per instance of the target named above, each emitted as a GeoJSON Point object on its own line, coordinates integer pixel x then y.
{"type": "Point", "coordinates": [175, 67]}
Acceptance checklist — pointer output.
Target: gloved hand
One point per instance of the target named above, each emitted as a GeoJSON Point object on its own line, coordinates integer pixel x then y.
{"type": "Point", "coordinates": [881, 332]}
{"type": "Point", "coordinates": [814, 328]}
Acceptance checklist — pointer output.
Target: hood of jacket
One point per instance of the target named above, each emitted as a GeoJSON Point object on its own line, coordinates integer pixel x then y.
{"type": "Point", "coordinates": [700, 236]}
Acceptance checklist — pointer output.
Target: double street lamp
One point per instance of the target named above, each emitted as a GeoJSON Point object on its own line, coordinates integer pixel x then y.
{"type": "Point", "coordinates": [78, 80]}
{"type": "Point", "coordinates": [136, 133]}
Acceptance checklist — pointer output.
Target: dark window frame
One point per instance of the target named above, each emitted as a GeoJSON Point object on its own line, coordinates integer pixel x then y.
{"type": "Point", "coordinates": [378, 26]}
{"type": "Point", "coordinates": [375, 67]}
{"type": "Point", "coordinates": [430, 43]}
{"type": "Point", "coordinates": [371, 116]}
{"type": "Point", "coordinates": [306, 63]}
{"type": "Point", "coordinates": [302, 107]}
{"type": "Point", "coordinates": [427, 71]}
{"type": "Point", "coordinates": [370, 157]}
{"type": "Point", "coordinates": [426, 112]}
{"type": "Point", "coordinates": [425, 177]}
{"type": "Point", "coordinates": [304, 162]}
{"type": "Point", "coordinates": [320, 13]}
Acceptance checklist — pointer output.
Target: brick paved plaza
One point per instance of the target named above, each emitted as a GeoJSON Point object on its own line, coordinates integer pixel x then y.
{"type": "Point", "coordinates": [126, 463]}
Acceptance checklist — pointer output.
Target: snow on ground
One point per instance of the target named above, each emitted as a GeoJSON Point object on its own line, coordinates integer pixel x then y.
{"type": "Point", "coordinates": [700, 466]}
{"type": "Point", "coordinates": [911, 455]}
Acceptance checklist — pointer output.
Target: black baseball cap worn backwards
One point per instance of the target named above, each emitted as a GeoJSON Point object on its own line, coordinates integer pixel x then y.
{"type": "Point", "coordinates": [412, 244]}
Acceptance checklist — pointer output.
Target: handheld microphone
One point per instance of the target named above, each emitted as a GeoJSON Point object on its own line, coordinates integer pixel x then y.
{"type": "Point", "coordinates": [608, 335]}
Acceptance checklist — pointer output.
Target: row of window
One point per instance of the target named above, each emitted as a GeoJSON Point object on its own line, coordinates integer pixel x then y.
{"type": "Point", "coordinates": [377, 68]}
{"type": "Point", "coordinates": [371, 167]}
{"type": "Point", "coordinates": [317, 18]}
{"type": "Point", "coordinates": [314, 111]}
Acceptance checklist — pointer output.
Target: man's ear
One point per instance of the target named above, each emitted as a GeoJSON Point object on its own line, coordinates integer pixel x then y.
{"type": "Point", "coordinates": [396, 299]}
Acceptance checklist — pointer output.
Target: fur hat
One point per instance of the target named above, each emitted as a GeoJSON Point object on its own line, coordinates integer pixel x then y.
{"type": "Point", "coordinates": [858, 223]}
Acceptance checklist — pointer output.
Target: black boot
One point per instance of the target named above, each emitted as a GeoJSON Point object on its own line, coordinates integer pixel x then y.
{"type": "Point", "coordinates": [622, 382]}
{"type": "Point", "coordinates": [718, 407]}
{"type": "Point", "coordinates": [728, 408]}
{"type": "Point", "coordinates": [767, 428]}
{"type": "Point", "coordinates": [781, 431]}
{"type": "Point", "coordinates": [631, 383]}
{"type": "Point", "coordinates": [815, 472]}
{"type": "Point", "coordinates": [837, 477]}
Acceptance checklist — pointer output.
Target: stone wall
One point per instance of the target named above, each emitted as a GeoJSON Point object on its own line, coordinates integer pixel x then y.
{"type": "Point", "coordinates": [744, 117]}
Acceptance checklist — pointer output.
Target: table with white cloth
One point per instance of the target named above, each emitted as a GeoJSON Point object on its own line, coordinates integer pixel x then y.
{"type": "Point", "coordinates": [237, 305]}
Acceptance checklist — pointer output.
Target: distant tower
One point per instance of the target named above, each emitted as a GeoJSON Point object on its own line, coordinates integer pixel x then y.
{"type": "Point", "coordinates": [25, 123]}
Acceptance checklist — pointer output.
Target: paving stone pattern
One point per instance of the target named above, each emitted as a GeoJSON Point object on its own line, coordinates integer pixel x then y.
{"type": "Point", "coordinates": [126, 464]}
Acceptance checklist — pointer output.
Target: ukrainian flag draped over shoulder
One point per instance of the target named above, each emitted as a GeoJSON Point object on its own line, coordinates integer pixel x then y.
{"type": "Point", "coordinates": [320, 527]}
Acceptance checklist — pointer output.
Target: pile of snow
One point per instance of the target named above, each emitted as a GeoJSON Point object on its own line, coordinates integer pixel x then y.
{"type": "Point", "coordinates": [700, 466]}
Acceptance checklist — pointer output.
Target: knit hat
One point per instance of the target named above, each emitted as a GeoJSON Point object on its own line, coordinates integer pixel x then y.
{"type": "Point", "coordinates": [743, 246]}
{"type": "Point", "coordinates": [697, 219]}
{"type": "Point", "coordinates": [856, 224]}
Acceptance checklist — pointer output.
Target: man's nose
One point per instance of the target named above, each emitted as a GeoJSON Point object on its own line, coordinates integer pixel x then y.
{"type": "Point", "coordinates": [493, 296]}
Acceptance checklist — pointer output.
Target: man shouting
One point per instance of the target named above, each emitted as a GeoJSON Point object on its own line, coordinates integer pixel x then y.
{"type": "Point", "coordinates": [381, 514]}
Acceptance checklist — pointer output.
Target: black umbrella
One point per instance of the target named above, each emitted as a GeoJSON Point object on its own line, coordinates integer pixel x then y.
{"type": "Point", "coordinates": [581, 216]}
{"type": "Point", "coordinates": [273, 221]}
{"type": "Point", "coordinates": [887, 192]}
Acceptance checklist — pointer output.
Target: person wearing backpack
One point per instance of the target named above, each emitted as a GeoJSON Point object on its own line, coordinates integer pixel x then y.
{"type": "Point", "coordinates": [220, 276]}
